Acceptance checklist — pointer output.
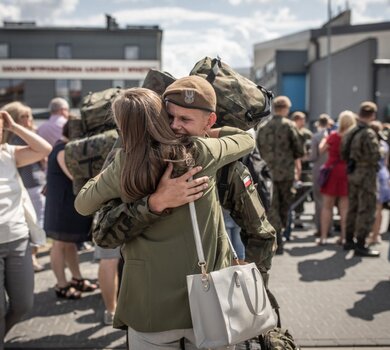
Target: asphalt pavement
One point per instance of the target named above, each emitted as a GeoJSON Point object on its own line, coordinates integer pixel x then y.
{"type": "Point", "coordinates": [328, 298]}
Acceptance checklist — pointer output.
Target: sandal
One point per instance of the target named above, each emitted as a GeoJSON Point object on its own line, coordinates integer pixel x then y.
{"type": "Point", "coordinates": [83, 284]}
{"type": "Point", "coordinates": [67, 292]}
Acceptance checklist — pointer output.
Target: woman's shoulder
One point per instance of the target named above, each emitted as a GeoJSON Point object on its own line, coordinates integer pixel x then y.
{"type": "Point", "coordinates": [7, 148]}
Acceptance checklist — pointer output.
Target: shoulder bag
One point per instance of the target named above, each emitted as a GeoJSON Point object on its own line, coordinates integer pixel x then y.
{"type": "Point", "coordinates": [227, 306]}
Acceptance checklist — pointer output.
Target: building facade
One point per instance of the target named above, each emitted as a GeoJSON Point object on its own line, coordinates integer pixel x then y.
{"type": "Point", "coordinates": [39, 63]}
{"type": "Point", "coordinates": [298, 66]}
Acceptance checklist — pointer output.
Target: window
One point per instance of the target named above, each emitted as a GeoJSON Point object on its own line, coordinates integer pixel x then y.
{"type": "Point", "coordinates": [118, 83]}
{"type": "Point", "coordinates": [64, 51]}
{"type": "Point", "coordinates": [131, 52]}
{"type": "Point", "coordinates": [11, 90]}
{"type": "Point", "coordinates": [69, 90]}
{"type": "Point", "coordinates": [4, 50]}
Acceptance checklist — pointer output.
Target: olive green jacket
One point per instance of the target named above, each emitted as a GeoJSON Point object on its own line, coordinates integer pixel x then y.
{"type": "Point", "coordinates": [153, 295]}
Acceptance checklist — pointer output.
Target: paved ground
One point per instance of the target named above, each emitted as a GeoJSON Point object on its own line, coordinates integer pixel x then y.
{"type": "Point", "coordinates": [328, 298]}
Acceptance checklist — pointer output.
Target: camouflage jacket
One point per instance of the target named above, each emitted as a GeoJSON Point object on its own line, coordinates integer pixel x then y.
{"type": "Point", "coordinates": [279, 144]}
{"type": "Point", "coordinates": [117, 222]}
{"type": "Point", "coordinates": [364, 147]}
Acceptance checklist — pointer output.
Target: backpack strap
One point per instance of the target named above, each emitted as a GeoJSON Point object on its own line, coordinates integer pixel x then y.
{"type": "Point", "coordinates": [347, 150]}
{"type": "Point", "coordinates": [223, 182]}
{"type": "Point", "coordinates": [215, 65]}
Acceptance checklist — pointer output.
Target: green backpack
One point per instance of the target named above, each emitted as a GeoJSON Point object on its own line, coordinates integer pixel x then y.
{"type": "Point", "coordinates": [91, 137]}
{"type": "Point", "coordinates": [158, 81]}
{"type": "Point", "coordinates": [240, 102]}
{"type": "Point", "coordinates": [96, 111]}
{"type": "Point", "coordinates": [85, 157]}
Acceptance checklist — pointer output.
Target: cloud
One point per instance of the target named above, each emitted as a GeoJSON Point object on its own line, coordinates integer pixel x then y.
{"type": "Point", "coordinates": [47, 10]}
{"type": "Point", "coordinates": [9, 12]}
{"type": "Point", "coordinates": [239, 2]}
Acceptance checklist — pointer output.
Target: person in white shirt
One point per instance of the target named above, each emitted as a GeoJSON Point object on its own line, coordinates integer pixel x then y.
{"type": "Point", "coordinates": [16, 269]}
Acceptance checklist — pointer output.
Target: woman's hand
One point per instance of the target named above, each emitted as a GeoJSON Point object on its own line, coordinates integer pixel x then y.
{"type": "Point", "coordinates": [9, 123]}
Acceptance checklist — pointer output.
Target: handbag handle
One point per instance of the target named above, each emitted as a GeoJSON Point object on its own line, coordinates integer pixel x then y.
{"type": "Point", "coordinates": [198, 241]}
{"type": "Point", "coordinates": [245, 291]}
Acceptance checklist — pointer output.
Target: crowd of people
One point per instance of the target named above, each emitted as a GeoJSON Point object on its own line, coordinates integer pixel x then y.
{"type": "Point", "coordinates": [171, 155]}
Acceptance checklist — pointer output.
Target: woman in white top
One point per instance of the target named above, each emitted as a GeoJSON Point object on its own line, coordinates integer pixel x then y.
{"type": "Point", "coordinates": [16, 270]}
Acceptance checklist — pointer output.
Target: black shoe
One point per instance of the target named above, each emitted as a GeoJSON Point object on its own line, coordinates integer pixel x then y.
{"type": "Point", "coordinates": [349, 245]}
{"type": "Point", "coordinates": [368, 252]}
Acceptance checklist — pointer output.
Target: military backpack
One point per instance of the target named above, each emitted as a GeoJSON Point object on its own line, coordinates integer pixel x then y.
{"type": "Point", "coordinates": [91, 137]}
{"type": "Point", "coordinates": [240, 102]}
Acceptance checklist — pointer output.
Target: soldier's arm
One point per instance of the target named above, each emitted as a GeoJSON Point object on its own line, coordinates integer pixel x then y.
{"type": "Point", "coordinates": [296, 142]}
{"type": "Point", "coordinates": [117, 222]}
{"type": "Point", "coordinates": [244, 204]}
{"type": "Point", "coordinates": [372, 146]}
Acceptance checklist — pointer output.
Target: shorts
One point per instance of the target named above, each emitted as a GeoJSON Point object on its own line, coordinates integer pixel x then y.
{"type": "Point", "coordinates": [106, 253]}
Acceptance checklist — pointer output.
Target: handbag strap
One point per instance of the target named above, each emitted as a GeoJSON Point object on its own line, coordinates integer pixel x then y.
{"type": "Point", "coordinates": [198, 240]}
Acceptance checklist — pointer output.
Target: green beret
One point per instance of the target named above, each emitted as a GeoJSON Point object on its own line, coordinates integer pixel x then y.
{"type": "Point", "coordinates": [192, 92]}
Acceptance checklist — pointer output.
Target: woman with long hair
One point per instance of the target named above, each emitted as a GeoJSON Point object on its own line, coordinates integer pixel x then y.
{"type": "Point", "coordinates": [337, 185]}
{"type": "Point", "coordinates": [153, 302]}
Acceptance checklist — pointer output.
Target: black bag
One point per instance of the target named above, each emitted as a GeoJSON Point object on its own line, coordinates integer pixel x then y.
{"type": "Point", "coordinates": [324, 175]}
{"type": "Point", "coordinates": [261, 176]}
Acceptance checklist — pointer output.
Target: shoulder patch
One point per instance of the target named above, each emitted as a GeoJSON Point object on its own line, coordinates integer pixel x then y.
{"type": "Point", "coordinates": [247, 181]}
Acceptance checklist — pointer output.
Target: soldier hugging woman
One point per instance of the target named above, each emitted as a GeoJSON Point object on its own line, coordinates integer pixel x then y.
{"type": "Point", "coordinates": [153, 303]}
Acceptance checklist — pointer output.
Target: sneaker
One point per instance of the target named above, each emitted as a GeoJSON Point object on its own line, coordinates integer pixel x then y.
{"type": "Point", "coordinates": [368, 252]}
{"type": "Point", "coordinates": [108, 318]}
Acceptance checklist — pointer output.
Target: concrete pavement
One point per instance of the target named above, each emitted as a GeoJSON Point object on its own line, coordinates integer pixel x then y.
{"type": "Point", "coordinates": [328, 298]}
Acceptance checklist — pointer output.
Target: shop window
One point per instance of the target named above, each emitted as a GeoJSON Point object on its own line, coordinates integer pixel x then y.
{"type": "Point", "coordinates": [118, 83]}
{"type": "Point", "coordinates": [69, 90]}
{"type": "Point", "coordinates": [11, 90]}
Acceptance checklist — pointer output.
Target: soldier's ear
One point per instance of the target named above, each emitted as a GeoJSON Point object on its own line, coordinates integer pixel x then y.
{"type": "Point", "coordinates": [212, 119]}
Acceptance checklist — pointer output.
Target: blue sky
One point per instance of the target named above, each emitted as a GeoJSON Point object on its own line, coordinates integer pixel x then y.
{"type": "Point", "coordinates": [194, 29]}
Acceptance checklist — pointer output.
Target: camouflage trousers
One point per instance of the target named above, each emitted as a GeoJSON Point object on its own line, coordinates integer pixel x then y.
{"type": "Point", "coordinates": [282, 197]}
{"type": "Point", "coordinates": [362, 205]}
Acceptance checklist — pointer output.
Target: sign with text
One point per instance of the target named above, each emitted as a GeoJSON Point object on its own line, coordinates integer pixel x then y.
{"type": "Point", "coordinates": [75, 69]}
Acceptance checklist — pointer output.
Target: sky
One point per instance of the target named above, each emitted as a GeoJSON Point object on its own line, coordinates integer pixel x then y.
{"type": "Point", "coordinates": [199, 28]}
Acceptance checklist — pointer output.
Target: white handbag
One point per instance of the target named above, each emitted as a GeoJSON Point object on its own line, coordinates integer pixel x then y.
{"type": "Point", "coordinates": [37, 233]}
{"type": "Point", "coordinates": [227, 306]}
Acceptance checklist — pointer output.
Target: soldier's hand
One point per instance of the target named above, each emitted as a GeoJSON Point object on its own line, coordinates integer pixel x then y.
{"type": "Point", "coordinates": [172, 193]}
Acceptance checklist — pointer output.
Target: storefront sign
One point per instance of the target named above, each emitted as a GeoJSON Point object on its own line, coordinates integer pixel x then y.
{"type": "Point", "coordinates": [75, 69]}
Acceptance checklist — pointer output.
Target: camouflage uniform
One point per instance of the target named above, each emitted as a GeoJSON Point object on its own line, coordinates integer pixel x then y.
{"type": "Point", "coordinates": [364, 150]}
{"type": "Point", "coordinates": [117, 222]}
{"type": "Point", "coordinates": [306, 136]}
{"type": "Point", "coordinates": [279, 144]}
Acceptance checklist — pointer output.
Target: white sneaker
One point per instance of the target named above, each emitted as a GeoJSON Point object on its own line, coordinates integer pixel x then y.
{"type": "Point", "coordinates": [108, 318]}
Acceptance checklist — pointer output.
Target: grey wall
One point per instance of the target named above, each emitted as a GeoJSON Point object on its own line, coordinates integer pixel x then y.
{"type": "Point", "coordinates": [352, 79]}
{"type": "Point", "coordinates": [382, 97]}
{"type": "Point", "coordinates": [96, 44]}
{"type": "Point", "coordinates": [86, 44]}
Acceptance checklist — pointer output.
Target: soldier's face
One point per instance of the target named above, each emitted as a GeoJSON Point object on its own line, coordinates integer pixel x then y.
{"type": "Point", "coordinates": [185, 121]}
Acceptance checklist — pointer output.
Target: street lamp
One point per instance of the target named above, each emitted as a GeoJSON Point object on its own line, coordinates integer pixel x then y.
{"type": "Point", "coordinates": [329, 63]}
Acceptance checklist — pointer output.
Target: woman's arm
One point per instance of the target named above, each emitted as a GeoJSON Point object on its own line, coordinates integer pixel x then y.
{"type": "Point", "coordinates": [62, 164]}
{"type": "Point", "coordinates": [36, 149]}
{"type": "Point", "coordinates": [323, 147]}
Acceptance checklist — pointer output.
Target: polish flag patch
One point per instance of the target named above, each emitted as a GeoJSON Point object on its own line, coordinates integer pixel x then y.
{"type": "Point", "coordinates": [247, 181]}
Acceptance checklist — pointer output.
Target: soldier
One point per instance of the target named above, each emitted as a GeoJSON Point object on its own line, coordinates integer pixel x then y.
{"type": "Point", "coordinates": [302, 164]}
{"type": "Point", "coordinates": [280, 145]}
{"type": "Point", "coordinates": [118, 221]}
{"type": "Point", "coordinates": [360, 149]}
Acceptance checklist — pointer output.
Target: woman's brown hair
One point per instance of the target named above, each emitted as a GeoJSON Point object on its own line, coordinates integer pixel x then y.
{"type": "Point", "coordinates": [148, 142]}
